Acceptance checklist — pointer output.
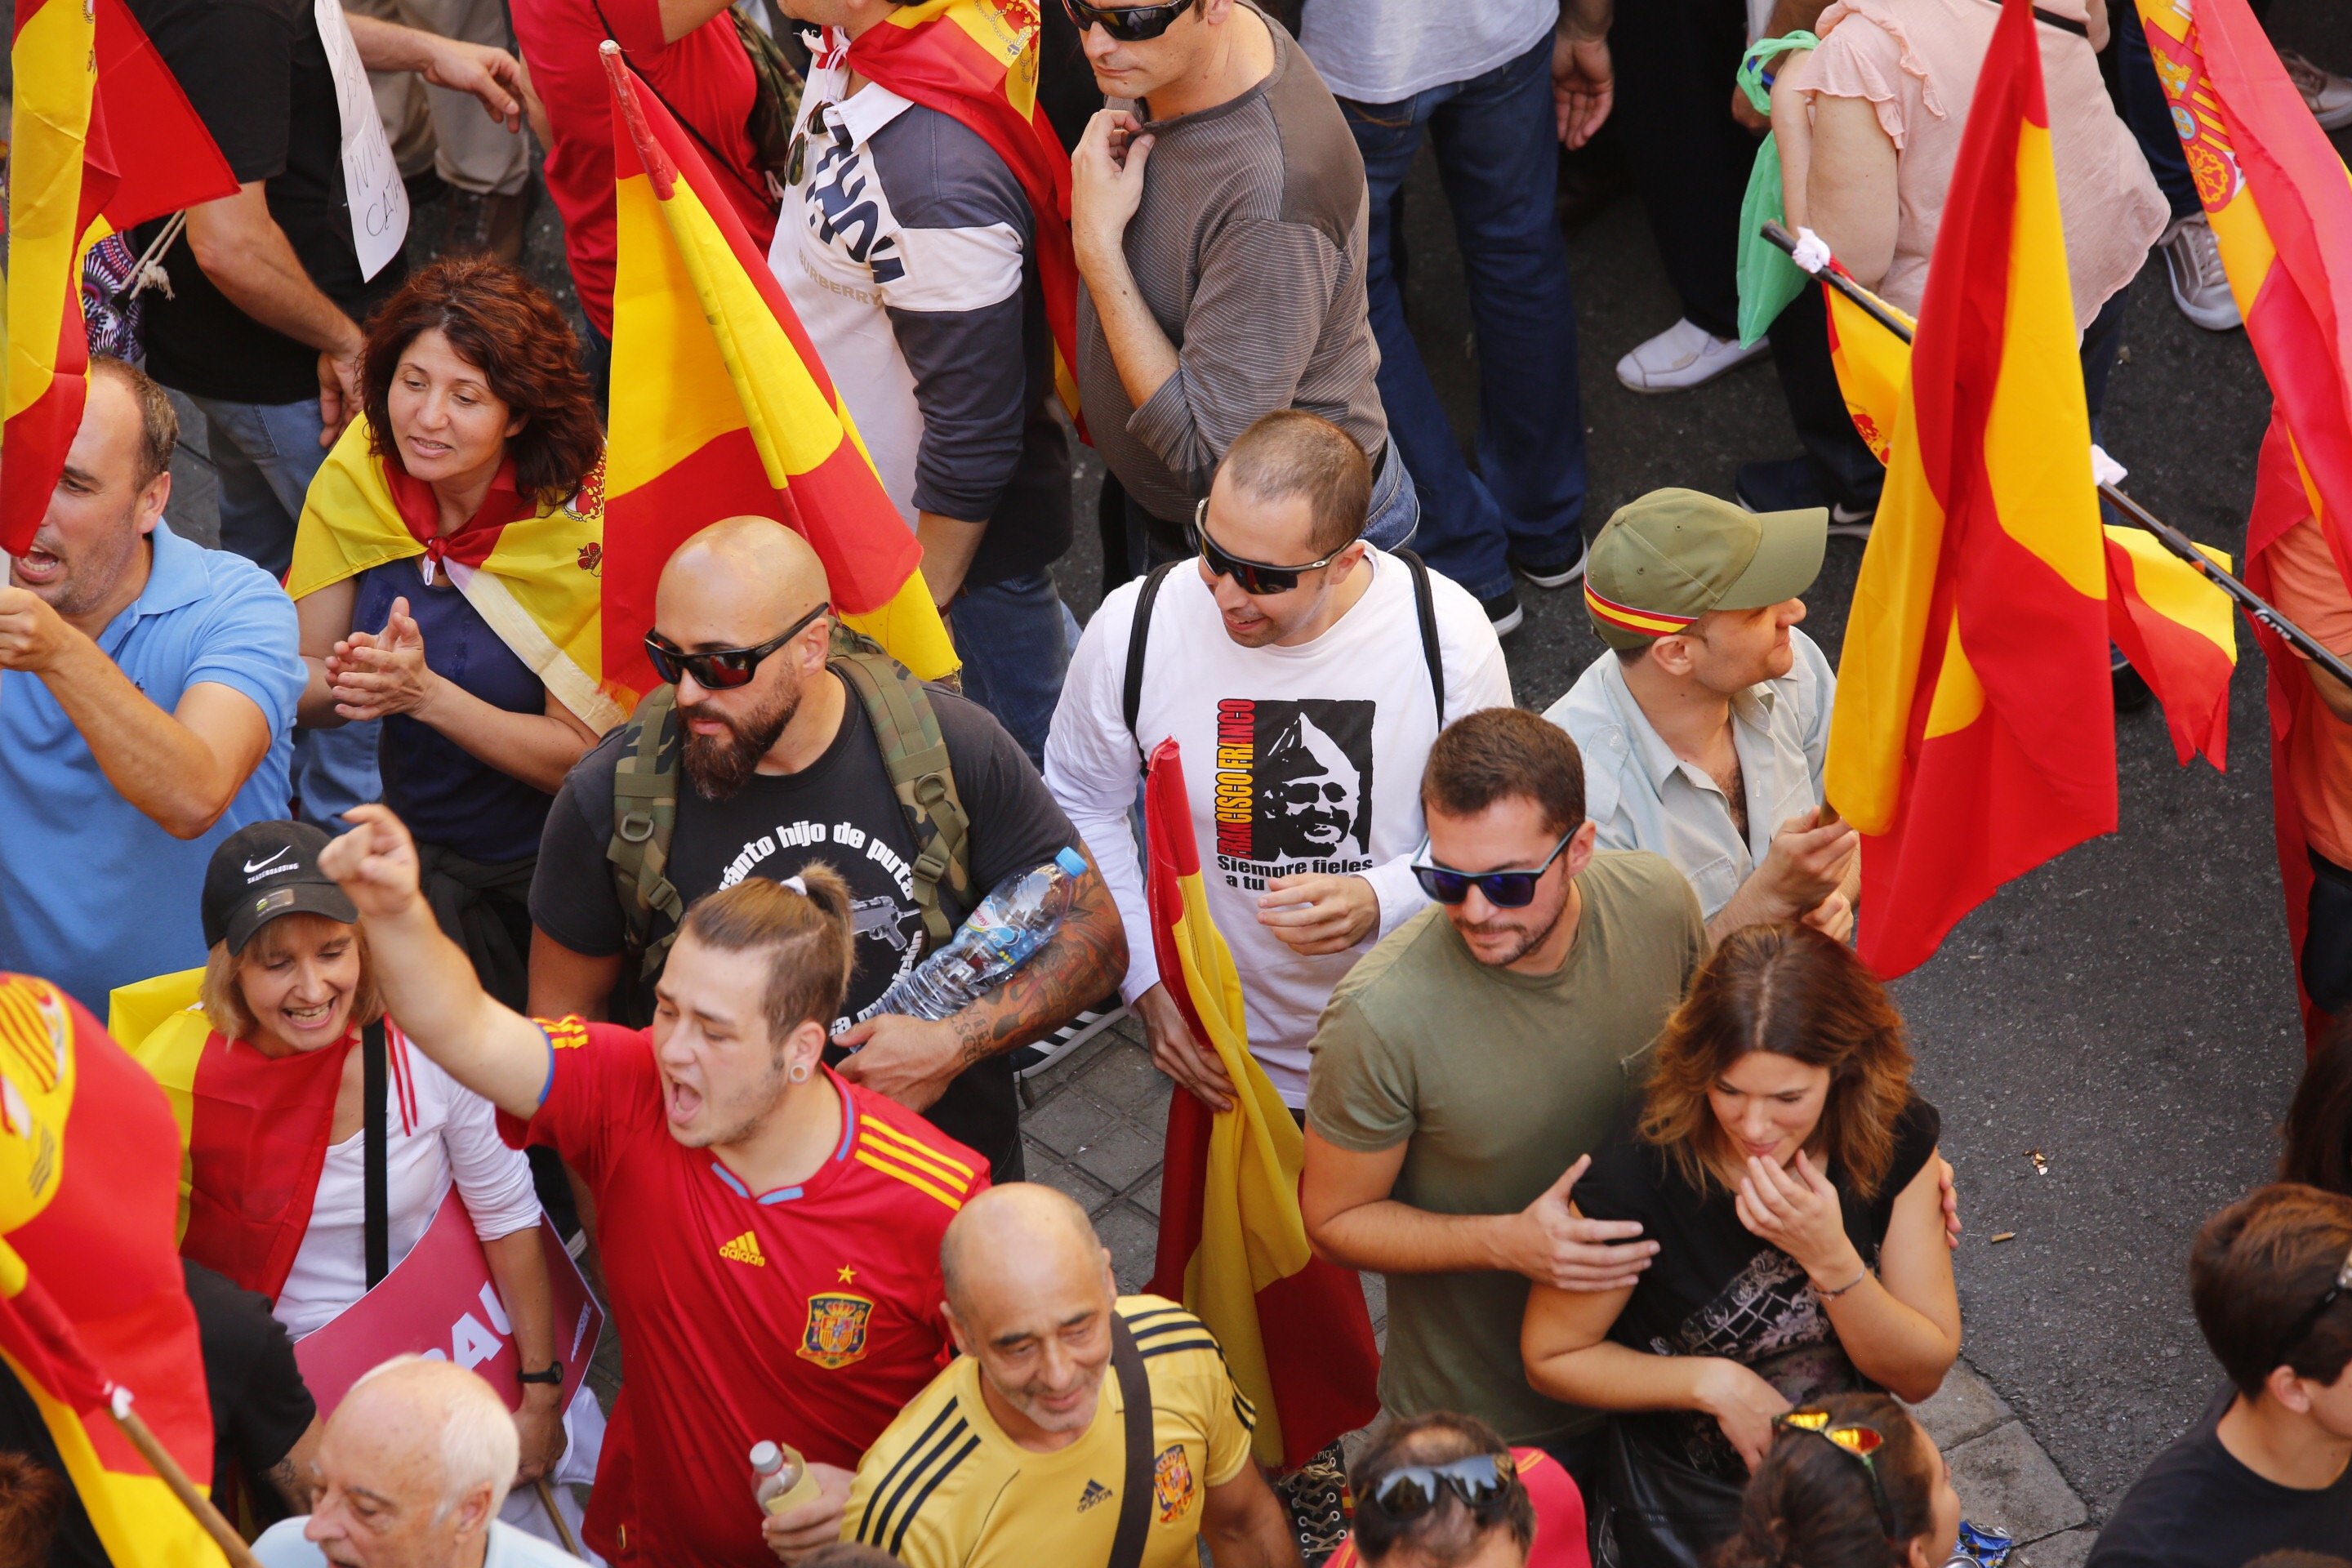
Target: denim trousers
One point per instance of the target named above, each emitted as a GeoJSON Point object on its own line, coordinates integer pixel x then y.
{"type": "Point", "coordinates": [1015, 638]}
{"type": "Point", "coordinates": [1498, 158]}
{"type": "Point", "coordinates": [264, 454]}
{"type": "Point", "coordinates": [2148, 114]}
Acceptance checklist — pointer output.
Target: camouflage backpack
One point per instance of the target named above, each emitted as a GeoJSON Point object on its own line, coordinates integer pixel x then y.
{"type": "Point", "coordinates": [914, 755]}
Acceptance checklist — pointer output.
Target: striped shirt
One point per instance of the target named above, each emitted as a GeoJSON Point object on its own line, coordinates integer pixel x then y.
{"type": "Point", "coordinates": [1248, 248]}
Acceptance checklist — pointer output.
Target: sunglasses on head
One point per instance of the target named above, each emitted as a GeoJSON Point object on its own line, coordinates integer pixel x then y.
{"type": "Point", "coordinates": [1857, 1442]}
{"type": "Point", "coordinates": [1504, 890]}
{"type": "Point", "coordinates": [722, 668]}
{"type": "Point", "coordinates": [1127, 24]}
{"type": "Point", "coordinates": [1482, 1481]}
{"type": "Point", "coordinates": [1251, 576]}
{"type": "Point", "coordinates": [2310, 1318]}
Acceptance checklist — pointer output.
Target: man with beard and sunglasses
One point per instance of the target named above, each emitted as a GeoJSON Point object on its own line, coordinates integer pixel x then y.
{"type": "Point", "coordinates": [1231, 283]}
{"type": "Point", "coordinates": [781, 765]}
{"type": "Point", "coordinates": [1304, 674]}
{"type": "Point", "coordinates": [1435, 1155]}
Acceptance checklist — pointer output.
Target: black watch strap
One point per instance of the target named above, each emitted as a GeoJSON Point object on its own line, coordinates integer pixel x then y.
{"type": "Point", "coordinates": [554, 1375]}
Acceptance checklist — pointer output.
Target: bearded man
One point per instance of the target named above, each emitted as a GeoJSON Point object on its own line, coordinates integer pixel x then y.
{"type": "Point", "coordinates": [782, 767]}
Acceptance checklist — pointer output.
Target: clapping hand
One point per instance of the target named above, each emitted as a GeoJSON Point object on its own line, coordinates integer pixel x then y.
{"type": "Point", "coordinates": [376, 674]}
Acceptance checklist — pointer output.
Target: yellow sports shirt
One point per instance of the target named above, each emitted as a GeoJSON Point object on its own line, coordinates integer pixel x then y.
{"type": "Point", "coordinates": [944, 1487]}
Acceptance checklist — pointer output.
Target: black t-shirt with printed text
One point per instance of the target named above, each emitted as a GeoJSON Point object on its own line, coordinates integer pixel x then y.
{"type": "Point", "coordinates": [840, 810]}
{"type": "Point", "coordinates": [2197, 1506]}
{"type": "Point", "coordinates": [1716, 1289]}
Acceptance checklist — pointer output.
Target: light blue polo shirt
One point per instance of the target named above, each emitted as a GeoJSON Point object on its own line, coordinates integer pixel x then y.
{"type": "Point", "coordinates": [93, 894]}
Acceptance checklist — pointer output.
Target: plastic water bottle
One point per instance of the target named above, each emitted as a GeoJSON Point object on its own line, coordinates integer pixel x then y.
{"type": "Point", "coordinates": [777, 1475]}
{"type": "Point", "coordinates": [1010, 925]}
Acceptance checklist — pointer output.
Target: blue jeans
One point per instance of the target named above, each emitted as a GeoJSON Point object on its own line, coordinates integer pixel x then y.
{"type": "Point", "coordinates": [2150, 116]}
{"type": "Point", "coordinates": [266, 455]}
{"type": "Point", "coordinates": [1016, 638]}
{"type": "Point", "coordinates": [1497, 156]}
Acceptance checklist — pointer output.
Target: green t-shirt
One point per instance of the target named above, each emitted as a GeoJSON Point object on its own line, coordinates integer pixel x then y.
{"type": "Point", "coordinates": [1496, 1081]}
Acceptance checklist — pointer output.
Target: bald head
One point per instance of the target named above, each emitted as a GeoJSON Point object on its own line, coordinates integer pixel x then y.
{"type": "Point", "coordinates": [737, 584]}
{"type": "Point", "coordinates": [412, 1468]}
{"type": "Point", "coordinates": [1017, 1232]}
{"type": "Point", "coordinates": [1030, 1299]}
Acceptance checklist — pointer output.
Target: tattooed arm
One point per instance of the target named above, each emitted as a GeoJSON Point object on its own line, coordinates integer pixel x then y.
{"type": "Point", "coordinates": [291, 1475]}
{"type": "Point", "coordinates": [913, 1060]}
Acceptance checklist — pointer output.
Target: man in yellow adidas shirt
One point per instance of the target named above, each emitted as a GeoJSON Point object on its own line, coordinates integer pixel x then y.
{"type": "Point", "coordinates": [1022, 1452]}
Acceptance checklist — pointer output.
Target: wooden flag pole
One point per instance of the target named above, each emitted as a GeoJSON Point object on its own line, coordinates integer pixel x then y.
{"type": "Point", "coordinates": [159, 1459]}
{"type": "Point", "coordinates": [2255, 606]}
{"type": "Point", "coordinates": [555, 1516]}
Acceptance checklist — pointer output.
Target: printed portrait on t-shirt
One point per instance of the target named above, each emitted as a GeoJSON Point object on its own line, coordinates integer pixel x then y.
{"type": "Point", "coordinates": [1294, 781]}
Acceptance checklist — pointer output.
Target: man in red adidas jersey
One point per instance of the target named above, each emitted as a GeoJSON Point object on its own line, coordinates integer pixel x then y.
{"type": "Point", "coordinates": [770, 1231]}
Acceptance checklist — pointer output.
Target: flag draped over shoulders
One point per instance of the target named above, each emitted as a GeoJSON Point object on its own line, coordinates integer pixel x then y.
{"type": "Point", "coordinates": [93, 1306]}
{"type": "Point", "coordinates": [1233, 1245]}
{"type": "Point", "coordinates": [536, 578]}
{"type": "Point", "coordinates": [101, 138]}
{"type": "Point", "coordinates": [1973, 735]}
{"type": "Point", "coordinates": [976, 60]}
{"type": "Point", "coordinates": [722, 408]}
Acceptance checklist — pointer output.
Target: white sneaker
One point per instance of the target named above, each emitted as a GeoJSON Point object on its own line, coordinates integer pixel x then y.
{"type": "Point", "coordinates": [2200, 286]}
{"type": "Point", "coordinates": [2328, 95]}
{"type": "Point", "coordinates": [1685, 355]}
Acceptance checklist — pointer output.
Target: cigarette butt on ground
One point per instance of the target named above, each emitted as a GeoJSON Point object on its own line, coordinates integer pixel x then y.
{"type": "Point", "coordinates": [2004, 1236]}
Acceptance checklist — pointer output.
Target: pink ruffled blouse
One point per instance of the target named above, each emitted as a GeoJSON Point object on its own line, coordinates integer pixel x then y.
{"type": "Point", "coordinates": [1917, 62]}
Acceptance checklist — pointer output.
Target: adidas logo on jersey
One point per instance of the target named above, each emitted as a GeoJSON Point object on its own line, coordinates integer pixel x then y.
{"type": "Point", "coordinates": [744, 1248]}
{"type": "Point", "coordinates": [1095, 1492]}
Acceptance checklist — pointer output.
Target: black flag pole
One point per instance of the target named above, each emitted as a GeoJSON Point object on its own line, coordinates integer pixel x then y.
{"type": "Point", "coordinates": [2254, 605]}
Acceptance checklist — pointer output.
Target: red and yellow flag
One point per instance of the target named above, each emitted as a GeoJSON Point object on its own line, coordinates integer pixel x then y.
{"type": "Point", "coordinates": [1232, 1246]}
{"type": "Point", "coordinates": [720, 407]}
{"type": "Point", "coordinates": [93, 1305]}
{"type": "Point", "coordinates": [2280, 203]}
{"type": "Point", "coordinates": [1973, 736]}
{"type": "Point", "coordinates": [101, 138]}
{"type": "Point", "coordinates": [976, 61]}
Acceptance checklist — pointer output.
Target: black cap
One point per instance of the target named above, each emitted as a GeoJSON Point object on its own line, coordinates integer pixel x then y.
{"type": "Point", "coordinates": [261, 872]}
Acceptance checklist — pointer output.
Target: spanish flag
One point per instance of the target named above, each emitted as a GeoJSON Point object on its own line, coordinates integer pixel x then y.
{"type": "Point", "coordinates": [531, 569]}
{"type": "Point", "coordinates": [2281, 206]}
{"type": "Point", "coordinates": [720, 407]}
{"type": "Point", "coordinates": [1973, 736]}
{"type": "Point", "coordinates": [2177, 627]}
{"type": "Point", "coordinates": [93, 1307]}
{"type": "Point", "coordinates": [101, 138]}
{"type": "Point", "coordinates": [1232, 1246]}
{"type": "Point", "coordinates": [976, 61]}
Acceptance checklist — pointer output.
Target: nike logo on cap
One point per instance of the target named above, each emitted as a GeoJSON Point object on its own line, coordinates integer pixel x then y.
{"type": "Point", "coordinates": [270, 862]}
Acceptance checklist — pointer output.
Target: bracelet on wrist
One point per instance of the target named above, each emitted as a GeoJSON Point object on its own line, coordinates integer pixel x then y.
{"type": "Point", "coordinates": [1833, 1295]}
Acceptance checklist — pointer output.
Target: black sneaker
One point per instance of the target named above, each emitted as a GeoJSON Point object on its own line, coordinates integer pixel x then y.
{"type": "Point", "coordinates": [1553, 574]}
{"type": "Point", "coordinates": [1504, 610]}
{"type": "Point", "coordinates": [1787, 485]}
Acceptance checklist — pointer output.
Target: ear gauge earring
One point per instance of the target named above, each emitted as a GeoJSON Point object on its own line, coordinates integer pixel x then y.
{"type": "Point", "coordinates": [799, 1074]}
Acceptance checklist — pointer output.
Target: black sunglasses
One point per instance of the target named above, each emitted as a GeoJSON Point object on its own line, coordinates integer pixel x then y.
{"type": "Point", "coordinates": [2310, 1319]}
{"type": "Point", "coordinates": [1250, 576]}
{"type": "Point", "coordinates": [797, 161]}
{"type": "Point", "coordinates": [1482, 1481]}
{"type": "Point", "coordinates": [1857, 1442]}
{"type": "Point", "coordinates": [1127, 24]}
{"type": "Point", "coordinates": [1504, 890]}
{"type": "Point", "coordinates": [720, 669]}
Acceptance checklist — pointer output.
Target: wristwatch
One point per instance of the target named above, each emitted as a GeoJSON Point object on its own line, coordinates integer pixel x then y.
{"type": "Point", "coordinates": [554, 1375]}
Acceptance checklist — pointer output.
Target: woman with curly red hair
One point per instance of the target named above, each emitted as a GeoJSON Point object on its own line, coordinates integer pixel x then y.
{"type": "Point", "coordinates": [446, 576]}
{"type": "Point", "coordinates": [1790, 1176]}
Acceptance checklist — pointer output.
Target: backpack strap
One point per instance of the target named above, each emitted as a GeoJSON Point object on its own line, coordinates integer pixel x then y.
{"type": "Point", "coordinates": [375, 1207]}
{"type": "Point", "coordinates": [1135, 1494]}
{"type": "Point", "coordinates": [1131, 702]}
{"type": "Point", "coordinates": [644, 815]}
{"type": "Point", "coordinates": [1424, 603]}
{"type": "Point", "coordinates": [915, 755]}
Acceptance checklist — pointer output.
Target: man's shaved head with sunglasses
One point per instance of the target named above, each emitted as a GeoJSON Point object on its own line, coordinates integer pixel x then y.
{"type": "Point", "coordinates": [1276, 538]}
{"type": "Point", "coordinates": [733, 589]}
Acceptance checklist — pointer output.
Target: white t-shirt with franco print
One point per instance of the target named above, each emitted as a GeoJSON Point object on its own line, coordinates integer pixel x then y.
{"type": "Point", "coordinates": [1296, 760]}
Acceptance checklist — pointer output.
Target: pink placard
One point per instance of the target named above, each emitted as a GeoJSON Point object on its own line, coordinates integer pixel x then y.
{"type": "Point", "coordinates": [440, 1302]}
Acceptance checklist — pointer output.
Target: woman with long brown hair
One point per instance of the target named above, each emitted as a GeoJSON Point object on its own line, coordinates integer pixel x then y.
{"type": "Point", "coordinates": [446, 577]}
{"type": "Point", "coordinates": [1788, 1175]}
{"type": "Point", "coordinates": [1850, 1481]}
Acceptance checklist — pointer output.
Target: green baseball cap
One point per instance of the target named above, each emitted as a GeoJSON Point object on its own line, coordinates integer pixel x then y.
{"type": "Point", "coordinates": [1673, 556]}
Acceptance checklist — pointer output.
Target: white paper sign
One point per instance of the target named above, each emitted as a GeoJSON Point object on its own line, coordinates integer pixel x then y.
{"type": "Point", "coordinates": [371, 179]}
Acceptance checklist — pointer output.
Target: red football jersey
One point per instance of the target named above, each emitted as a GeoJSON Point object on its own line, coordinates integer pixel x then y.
{"type": "Point", "coordinates": [809, 1315]}
{"type": "Point", "coordinates": [1559, 1517]}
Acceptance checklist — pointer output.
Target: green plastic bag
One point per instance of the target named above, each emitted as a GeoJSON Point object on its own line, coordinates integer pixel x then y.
{"type": "Point", "coordinates": [1767, 279]}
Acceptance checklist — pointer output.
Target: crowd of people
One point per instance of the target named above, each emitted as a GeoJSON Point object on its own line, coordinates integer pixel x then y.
{"type": "Point", "coordinates": [1564, 1003]}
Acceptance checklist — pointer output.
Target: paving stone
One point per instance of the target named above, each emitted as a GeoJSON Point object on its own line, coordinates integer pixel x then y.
{"type": "Point", "coordinates": [2066, 1550]}
{"type": "Point", "coordinates": [1964, 1407]}
{"type": "Point", "coordinates": [1067, 1123]}
{"type": "Point", "coordinates": [1120, 1155]}
{"type": "Point", "coordinates": [2006, 1480]}
{"type": "Point", "coordinates": [1124, 1079]}
{"type": "Point", "coordinates": [1145, 1195]}
{"type": "Point", "coordinates": [1133, 1237]}
{"type": "Point", "coordinates": [1091, 1195]}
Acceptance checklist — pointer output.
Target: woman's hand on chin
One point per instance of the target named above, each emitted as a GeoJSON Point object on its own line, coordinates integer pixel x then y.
{"type": "Point", "coordinates": [1743, 1404]}
{"type": "Point", "coordinates": [1796, 1210]}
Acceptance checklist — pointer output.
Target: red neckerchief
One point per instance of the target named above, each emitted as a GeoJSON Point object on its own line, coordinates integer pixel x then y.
{"type": "Point", "coordinates": [257, 1143]}
{"type": "Point", "coordinates": [471, 545]}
